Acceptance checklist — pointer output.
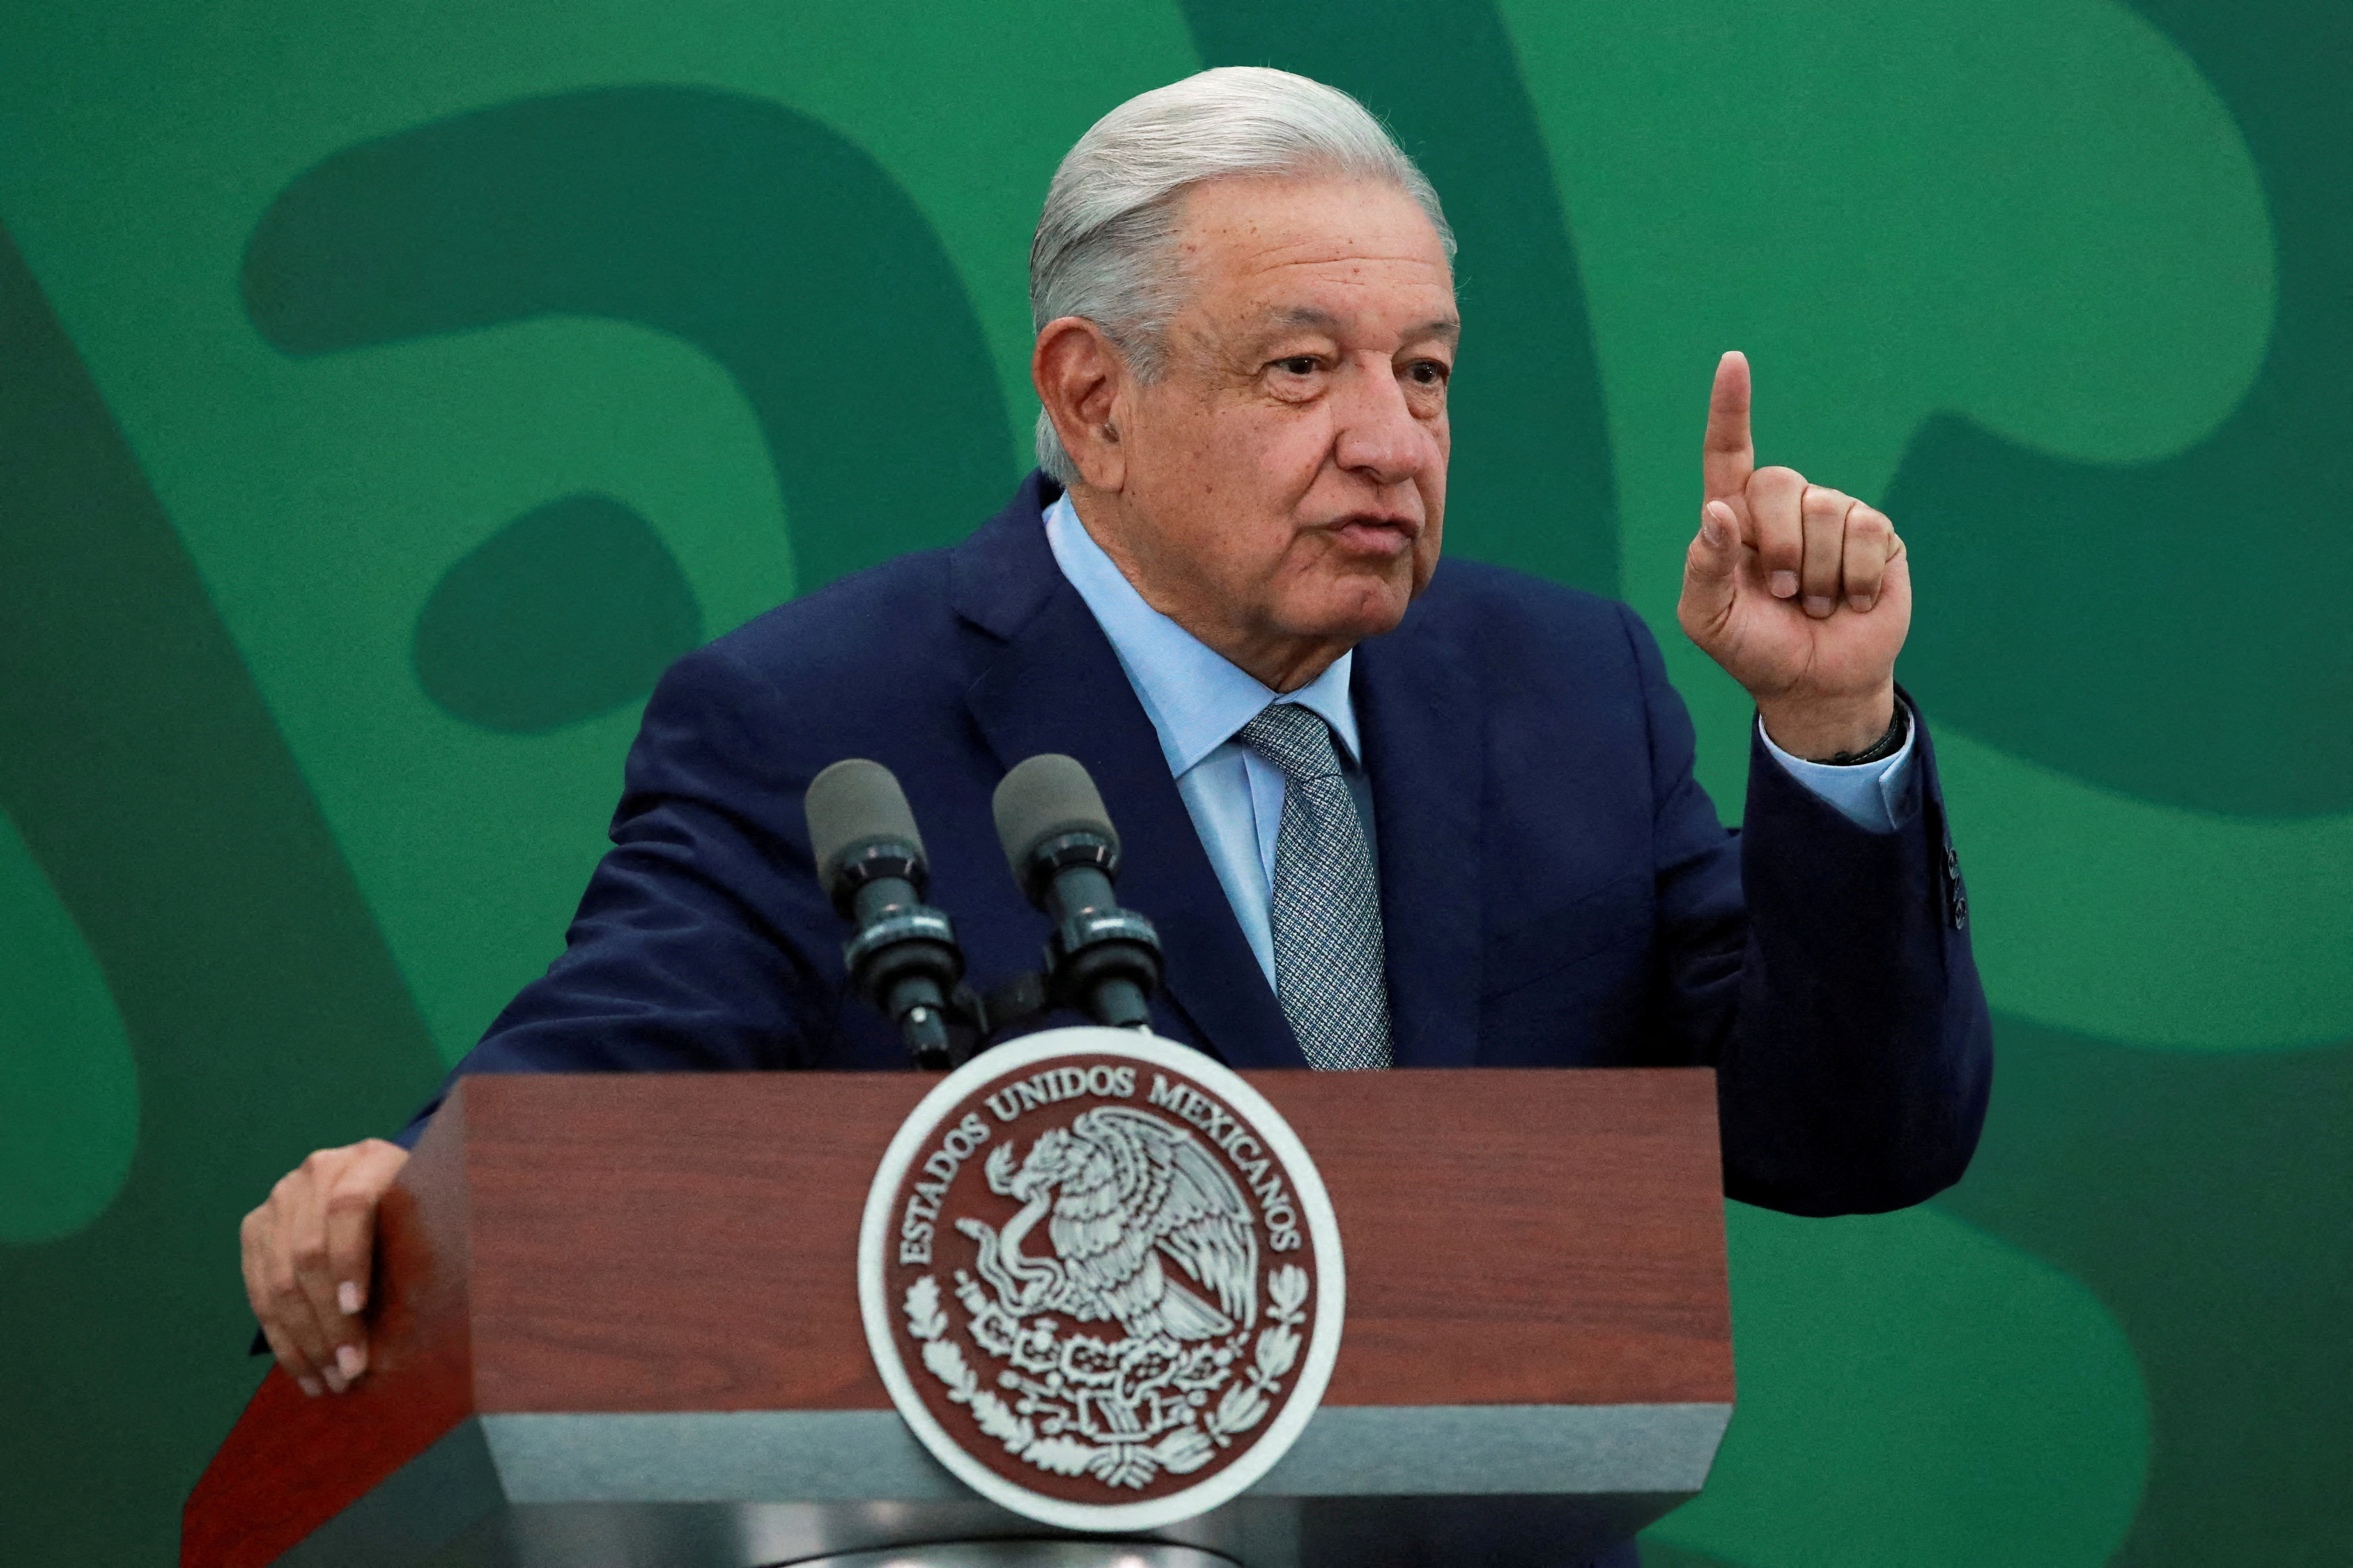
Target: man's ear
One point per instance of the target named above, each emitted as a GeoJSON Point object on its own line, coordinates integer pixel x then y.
{"type": "Point", "coordinates": [1083, 382]}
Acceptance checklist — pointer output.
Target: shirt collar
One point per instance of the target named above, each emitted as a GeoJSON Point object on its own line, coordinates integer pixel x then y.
{"type": "Point", "coordinates": [1195, 697]}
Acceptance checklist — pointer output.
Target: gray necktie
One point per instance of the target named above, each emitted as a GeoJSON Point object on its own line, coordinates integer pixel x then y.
{"type": "Point", "coordinates": [1328, 949]}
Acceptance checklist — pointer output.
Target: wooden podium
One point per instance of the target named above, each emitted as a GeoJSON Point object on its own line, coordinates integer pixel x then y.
{"type": "Point", "coordinates": [617, 1325]}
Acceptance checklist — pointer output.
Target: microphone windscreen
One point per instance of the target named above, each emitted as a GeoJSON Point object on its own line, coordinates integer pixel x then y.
{"type": "Point", "coordinates": [854, 803]}
{"type": "Point", "coordinates": [1045, 796]}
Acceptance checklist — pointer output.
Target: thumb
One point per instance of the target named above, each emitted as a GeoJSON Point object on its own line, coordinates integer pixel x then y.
{"type": "Point", "coordinates": [1896, 581]}
{"type": "Point", "coordinates": [1711, 571]}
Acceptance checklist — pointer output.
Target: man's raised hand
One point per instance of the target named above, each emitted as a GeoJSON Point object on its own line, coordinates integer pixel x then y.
{"type": "Point", "coordinates": [1801, 591]}
{"type": "Point", "coordinates": [308, 1251]}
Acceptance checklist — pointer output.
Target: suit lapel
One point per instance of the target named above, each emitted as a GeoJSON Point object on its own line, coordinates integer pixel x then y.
{"type": "Point", "coordinates": [1416, 702]}
{"type": "Point", "coordinates": [1057, 686]}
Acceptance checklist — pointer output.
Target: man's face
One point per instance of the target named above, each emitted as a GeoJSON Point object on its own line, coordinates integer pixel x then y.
{"type": "Point", "coordinates": [1284, 481]}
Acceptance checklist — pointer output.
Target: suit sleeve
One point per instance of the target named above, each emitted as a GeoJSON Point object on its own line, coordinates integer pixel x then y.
{"type": "Point", "coordinates": [697, 945]}
{"type": "Point", "coordinates": [1824, 970]}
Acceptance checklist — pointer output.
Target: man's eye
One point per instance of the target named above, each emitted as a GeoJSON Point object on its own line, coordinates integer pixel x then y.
{"type": "Point", "coordinates": [1427, 373]}
{"type": "Point", "coordinates": [1297, 365]}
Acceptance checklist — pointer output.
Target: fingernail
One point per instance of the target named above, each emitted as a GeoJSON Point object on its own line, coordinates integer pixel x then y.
{"type": "Point", "coordinates": [352, 1360]}
{"type": "Point", "coordinates": [334, 1378]}
{"type": "Point", "coordinates": [311, 1386]}
{"type": "Point", "coordinates": [1712, 528]}
{"type": "Point", "coordinates": [347, 1297]}
{"type": "Point", "coordinates": [1783, 584]}
{"type": "Point", "coordinates": [1860, 601]}
{"type": "Point", "coordinates": [1818, 604]}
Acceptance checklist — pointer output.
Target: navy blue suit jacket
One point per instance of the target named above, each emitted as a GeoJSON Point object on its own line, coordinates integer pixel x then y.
{"type": "Point", "coordinates": [1556, 887]}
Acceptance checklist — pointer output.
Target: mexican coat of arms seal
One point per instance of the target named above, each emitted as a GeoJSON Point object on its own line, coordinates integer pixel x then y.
{"type": "Point", "coordinates": [1101, 1278]}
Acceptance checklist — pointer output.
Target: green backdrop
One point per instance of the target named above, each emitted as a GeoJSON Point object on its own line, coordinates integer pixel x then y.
{"type": "Point", "coordinates": [387, 392]}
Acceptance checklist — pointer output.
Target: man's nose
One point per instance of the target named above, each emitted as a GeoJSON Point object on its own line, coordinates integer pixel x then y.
{"type": "Point", "coordinates": [1378, 435]}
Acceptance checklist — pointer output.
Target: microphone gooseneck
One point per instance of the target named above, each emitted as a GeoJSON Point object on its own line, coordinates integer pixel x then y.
{"type": "Point", "coordinates": [1064, 853]}
{"type": "Point", "coordinates": [904, 957]}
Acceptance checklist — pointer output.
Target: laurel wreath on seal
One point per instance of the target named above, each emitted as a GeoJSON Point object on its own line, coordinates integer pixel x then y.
{"type": "Point", "coordinates": [1192, 1443]}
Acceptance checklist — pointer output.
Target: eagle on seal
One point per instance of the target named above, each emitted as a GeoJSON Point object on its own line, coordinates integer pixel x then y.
{"type": "Point", "coordinates": [1127, 1190]}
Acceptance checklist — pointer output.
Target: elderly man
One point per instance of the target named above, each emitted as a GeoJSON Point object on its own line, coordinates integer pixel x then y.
{"type": "Point", "coordinates": [1385, 812]}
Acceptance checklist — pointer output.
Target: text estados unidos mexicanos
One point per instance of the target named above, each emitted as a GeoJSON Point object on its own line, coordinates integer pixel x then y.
{"type": "Point", "coordinates": [1221, 1128]}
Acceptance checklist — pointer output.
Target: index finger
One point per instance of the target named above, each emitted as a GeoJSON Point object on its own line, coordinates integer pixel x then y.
{"type": "Point", "coordinates": [352, 1203]}
{"type": "Point", "coordinates": [1729, 456]}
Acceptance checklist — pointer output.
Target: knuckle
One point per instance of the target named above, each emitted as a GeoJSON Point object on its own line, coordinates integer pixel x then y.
{"type": "Point", "coordinates": [310, 1255]}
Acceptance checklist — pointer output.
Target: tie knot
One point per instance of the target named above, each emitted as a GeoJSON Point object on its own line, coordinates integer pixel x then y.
{"type": "Point", "coordinates": [1296, 740]}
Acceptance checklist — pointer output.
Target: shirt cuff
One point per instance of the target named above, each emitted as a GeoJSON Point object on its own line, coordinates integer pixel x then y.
{"type": "Point", "coordinates": [1864, 793]}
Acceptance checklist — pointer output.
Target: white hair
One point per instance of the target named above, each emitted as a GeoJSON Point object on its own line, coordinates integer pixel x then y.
{"type": "Point", "coordinates": [1104, 243]}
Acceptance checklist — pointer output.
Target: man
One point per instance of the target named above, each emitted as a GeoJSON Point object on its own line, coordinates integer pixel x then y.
{"type": "Point", "coordinates": [1383, 813]}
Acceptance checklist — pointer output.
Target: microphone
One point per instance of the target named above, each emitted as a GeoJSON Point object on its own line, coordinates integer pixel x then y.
{"type": "Point", "coordinates": [1102, 959]}
{"type": "Point", "coordinates": [869, 860]}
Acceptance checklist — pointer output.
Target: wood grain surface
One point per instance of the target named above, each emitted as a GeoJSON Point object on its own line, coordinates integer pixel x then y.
{"type": "Point", "coordinates": [582, 1242]}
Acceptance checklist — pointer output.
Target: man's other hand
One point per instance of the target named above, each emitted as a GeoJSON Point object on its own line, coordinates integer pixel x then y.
{"type": "Point", "coordinates": [307, 1255]}
{"type": "Point", "coordinates": [1801, 591]}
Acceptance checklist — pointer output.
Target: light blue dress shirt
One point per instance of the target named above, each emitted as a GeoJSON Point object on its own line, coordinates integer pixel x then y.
{"type": "Point", "coordinates": [1197, 699]}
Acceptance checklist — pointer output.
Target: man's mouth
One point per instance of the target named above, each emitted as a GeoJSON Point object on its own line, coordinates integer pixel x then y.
{"type": "Point", "coordinates": [1376, 533]}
